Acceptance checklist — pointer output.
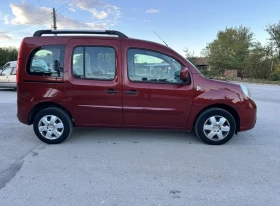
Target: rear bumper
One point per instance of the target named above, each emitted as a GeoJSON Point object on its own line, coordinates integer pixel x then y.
{"type": "Point", "coordinates": [248, 116]}
{"type": "Point", "coordinates": [23, 111]}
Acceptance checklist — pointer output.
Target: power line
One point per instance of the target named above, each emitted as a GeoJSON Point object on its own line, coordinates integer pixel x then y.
{"type": "Point", "coordinates": [36, 21]}
{"type": "Point", "coordinates": [39, 20]}
{"type": "Point", "coordinates": [42, 8]}
{"type": "Point", "coordinates": [70, 5]}
{"type": "Point", "coordinates": [23, 26]}
{"type": "Point", "coordinates": [67, 3]}
{"type": "Point", "coordinates": [55, 16]}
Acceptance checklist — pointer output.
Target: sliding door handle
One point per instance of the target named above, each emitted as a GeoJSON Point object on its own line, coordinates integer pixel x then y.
{"type": "Point", "coordinates": [133, 92]}
{"type": "Point", "coordinates": [111, 91]}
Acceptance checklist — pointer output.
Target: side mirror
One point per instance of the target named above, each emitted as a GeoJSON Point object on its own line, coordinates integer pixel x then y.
{"type": "Point", "coordinates": [184, 74]}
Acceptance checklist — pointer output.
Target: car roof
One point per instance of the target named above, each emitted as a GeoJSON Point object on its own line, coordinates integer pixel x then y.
{"type": "Point", "coordinates": [65, 35]}
{"type": "Point", "coordinates": [12, 62]}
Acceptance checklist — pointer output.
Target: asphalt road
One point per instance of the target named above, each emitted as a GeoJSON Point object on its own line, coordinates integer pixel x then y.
{"type": "Point", "coordinates": [132, 167]}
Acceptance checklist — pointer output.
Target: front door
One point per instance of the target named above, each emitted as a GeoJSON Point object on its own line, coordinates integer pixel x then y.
{"type": "Point", "coordinates": [94, 84]}
{"type": "Point", "coordinates": [154, 96]}
{"type": "Point", "coordinates": [4, 77]}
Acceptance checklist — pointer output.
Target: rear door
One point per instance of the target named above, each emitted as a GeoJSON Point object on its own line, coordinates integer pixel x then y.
{"type": "Point", "coordinates": [93, 82]}
{"type": "Point", "coordinates": [153, 94]}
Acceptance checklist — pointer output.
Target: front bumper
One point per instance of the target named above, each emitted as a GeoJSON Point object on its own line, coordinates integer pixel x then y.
{"type": "Point", "coordinates": [248, 116]}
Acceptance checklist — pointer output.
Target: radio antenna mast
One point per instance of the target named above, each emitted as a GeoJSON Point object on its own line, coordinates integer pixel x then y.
{"type": "Point", "coordinates": [160, 38]}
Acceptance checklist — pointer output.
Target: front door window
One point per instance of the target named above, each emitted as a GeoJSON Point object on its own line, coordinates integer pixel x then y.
{"type": "Point", "coordinates": [153, 67]}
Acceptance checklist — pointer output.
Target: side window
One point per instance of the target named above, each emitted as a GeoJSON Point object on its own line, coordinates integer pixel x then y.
{"type": "Point", "coordinates": [7, 71]}
{"type": "Point", "coordinates": [94, 63]}
{"type": "Point", "coordinates": [150, 66]}
{"type": "Point", "coordinates": [47, 61]}
{"type": "Point", "coordinates": [6, 65]}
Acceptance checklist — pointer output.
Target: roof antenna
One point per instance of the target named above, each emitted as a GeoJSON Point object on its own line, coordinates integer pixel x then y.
{"type": "Point", "coordinates": [160, 38]}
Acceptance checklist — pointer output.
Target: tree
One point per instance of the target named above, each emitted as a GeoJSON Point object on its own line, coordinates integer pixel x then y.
{"type": "Point", "coordinates": [258, 63]}
{"type": "Point", "coordinates": [190, 55]}
{"type": "Point", "coordinates": [274, 33]}
{"type": "Point", "coordinates": [230, 49]}
{"type": "Point", "coordinates": [8, 54]}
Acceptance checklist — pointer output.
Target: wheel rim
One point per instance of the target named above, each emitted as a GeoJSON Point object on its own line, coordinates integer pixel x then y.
{"type": "Point", "coordinates": [51, 127]}
{"type": "Point", "coordinates": [216, 128]}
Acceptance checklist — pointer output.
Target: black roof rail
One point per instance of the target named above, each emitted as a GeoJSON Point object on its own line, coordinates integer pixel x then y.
{"type": "Point", "coordinates": [107, 32]}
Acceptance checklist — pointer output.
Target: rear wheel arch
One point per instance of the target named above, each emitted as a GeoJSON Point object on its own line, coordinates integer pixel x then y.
{"type": "Point", "coordinates": [39, 107]}
{"type": "Point", "coordinates": [227, 108]}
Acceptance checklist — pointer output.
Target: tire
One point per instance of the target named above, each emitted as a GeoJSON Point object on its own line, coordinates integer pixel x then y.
{"type": "Point", "coordinates": [52, 125]}
{"type": "Point", "coordinates": [215, 126]}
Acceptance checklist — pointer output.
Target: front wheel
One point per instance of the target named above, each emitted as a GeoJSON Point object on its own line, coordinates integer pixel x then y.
{"type": "Point", "coordinates": [215, 126]}
{"type": "Point", "coordinates": [52, 125]}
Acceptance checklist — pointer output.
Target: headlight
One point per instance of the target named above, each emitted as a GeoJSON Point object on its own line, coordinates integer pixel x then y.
{"type": "Point", "coordinates": [245, 90]}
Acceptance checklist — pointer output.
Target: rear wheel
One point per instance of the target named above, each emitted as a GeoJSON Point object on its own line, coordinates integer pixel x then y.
{"type": "Point", "coordinates": [52, 125]}
{"type": "Point", "coordinates": [215, 126]}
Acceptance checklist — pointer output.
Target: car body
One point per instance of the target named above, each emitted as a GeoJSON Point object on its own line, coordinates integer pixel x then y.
{"type": "Point", "coordinates": [8, 77]}
{"type": "Point", "coordinates": [101, 81]}
{"type": "Point", "coordinates": [9, 64]}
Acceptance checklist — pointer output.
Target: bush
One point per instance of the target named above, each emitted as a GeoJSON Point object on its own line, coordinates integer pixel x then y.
{"type": "Point", "coordinates": [207, 73]}
{"type": "Point", "coordinates": [7, 54]}
{"type": "Point", "coordinates": [275, 76]}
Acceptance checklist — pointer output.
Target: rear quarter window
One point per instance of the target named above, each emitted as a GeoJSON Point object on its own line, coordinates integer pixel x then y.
{"type": "Point", "coordinates": [47, 61]}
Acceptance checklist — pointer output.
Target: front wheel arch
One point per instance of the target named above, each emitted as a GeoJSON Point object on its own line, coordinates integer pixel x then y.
{"type": "Point", "coordinates": [229, 109]}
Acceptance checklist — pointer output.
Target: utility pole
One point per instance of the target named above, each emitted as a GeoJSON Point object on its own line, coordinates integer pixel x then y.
{"type": "Point", "coordinates": [54, 19]}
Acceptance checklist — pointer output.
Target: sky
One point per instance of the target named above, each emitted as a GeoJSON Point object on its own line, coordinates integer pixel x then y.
{"type": "Point", "coordinates": [180, 23]}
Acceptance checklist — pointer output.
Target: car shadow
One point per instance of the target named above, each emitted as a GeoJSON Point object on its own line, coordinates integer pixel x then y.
{"type": "Point", "coordinates": [131, 136]}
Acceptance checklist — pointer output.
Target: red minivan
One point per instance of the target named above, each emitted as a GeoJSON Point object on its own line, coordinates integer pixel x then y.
{"type": "Point", "coordinates": [105, 79]}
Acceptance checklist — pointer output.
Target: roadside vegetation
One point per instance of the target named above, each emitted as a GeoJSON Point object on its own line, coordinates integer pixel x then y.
{"type": "Point", "coordinates": [237, 49]}
{"type": "Point", "coordinates": [233, 49]}
{"type": "Point", "coordinates": [7, 54]}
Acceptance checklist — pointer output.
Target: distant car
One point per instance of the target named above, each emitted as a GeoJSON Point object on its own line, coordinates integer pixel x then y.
{"type": "Point", "coordinates": [8, 77]}
{"type": "Point", "coordinates": [10, 64]}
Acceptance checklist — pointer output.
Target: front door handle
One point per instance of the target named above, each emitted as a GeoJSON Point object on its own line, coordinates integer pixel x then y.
{"type": "Point", "coordinates": [111, 91]}
{"type": "Point", "coordinates": [133, 92]}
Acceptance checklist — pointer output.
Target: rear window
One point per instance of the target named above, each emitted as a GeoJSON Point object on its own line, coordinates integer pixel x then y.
{"type": "Point", "coordinates": [47, 61]}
